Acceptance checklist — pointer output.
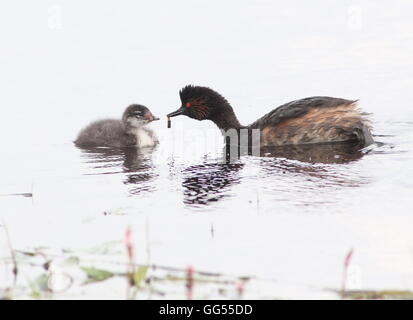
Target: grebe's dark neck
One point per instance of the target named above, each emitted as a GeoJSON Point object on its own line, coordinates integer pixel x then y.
{"type": "Point", "coordinates": [226, 118]}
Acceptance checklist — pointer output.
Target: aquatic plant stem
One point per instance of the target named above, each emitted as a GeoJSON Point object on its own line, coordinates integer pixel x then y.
{"type": "Point", "coordinates": [12, 253]}
{"type": "Point", "coordinates": [131, 264]}
{"type": "Point", "coordinates": [345, 269]}
{"type": "Point", "coordinates": [189, 282]}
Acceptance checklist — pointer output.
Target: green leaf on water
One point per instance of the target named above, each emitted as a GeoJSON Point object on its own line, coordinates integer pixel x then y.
{"type": "Point", "coordinates": [95, 275]}
{"type": "Point", "coordinates": [39, 286]}
{"type": "Point", "coordinates": [379, 294]}
{"type": "Point", "coordinates": [72, 260]}
{"type": "Point", "coordinates": [42, 283]}
{"type": "Point", "coordinates": [140, 275]}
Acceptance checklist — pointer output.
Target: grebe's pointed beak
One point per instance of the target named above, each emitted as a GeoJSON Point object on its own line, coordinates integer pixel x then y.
{"type": "Point", "coordinates": [176, 113]}
{"type": "Point", "coordinates": [155, 118]}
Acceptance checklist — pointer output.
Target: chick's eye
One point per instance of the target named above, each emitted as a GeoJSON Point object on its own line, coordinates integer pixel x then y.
{"type": "Point", "coordinates": [187, 105]}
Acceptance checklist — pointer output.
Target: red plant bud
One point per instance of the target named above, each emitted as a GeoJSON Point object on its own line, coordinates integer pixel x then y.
{"type": "Point", "coordinates": [189, 281]}
{"type": "Point", "coordinates": [128, 243]}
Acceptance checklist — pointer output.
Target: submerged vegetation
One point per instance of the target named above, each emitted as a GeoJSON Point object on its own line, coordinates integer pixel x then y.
{"type": "Point", "coordinates": [41, 273]}
{"type": "Point", "coordinates": [45, 275]}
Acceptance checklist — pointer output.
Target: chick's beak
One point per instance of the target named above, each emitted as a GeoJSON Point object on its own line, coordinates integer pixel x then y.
{"type": "Point", "coordinates": [176, 113]}
{"type": "Point", "coordinates": [150, 117]}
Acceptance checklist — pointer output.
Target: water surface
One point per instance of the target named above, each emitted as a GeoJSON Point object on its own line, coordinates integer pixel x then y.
{"type": "Point", "coordinates": [287, 218]}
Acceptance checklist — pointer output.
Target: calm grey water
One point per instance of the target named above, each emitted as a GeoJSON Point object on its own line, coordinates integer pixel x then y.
{"type": "Point", "coordinates": [290, 217]}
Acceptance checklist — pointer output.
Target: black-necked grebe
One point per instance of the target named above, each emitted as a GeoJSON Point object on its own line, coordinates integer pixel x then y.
{"type": "Point", "coordinates": [128, 132]}
{"type": "Point", "coordinates": [305, 121]}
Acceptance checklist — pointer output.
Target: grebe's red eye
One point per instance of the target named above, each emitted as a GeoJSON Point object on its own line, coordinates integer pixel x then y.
{"type": "Point", "coordinates": [187, 104]}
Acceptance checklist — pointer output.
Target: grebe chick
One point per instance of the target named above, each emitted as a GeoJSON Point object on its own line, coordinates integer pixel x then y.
{"type": "Point", "coordinates": [128, 132]}
{"type": "Point", "coordinates": [305, 121]}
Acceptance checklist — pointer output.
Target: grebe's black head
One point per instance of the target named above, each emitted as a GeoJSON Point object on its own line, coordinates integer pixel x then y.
{"type": "Point", "coordinates": [201, 103]}
{"type": "Point", "coordinates": [137, 115]}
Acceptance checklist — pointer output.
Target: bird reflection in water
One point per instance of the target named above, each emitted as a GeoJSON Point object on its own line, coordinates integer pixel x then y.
{"type": "Point", "coordinates": [136, 164]}
{"type": "Point", "coordinates": [338, 153]}
{"type": "Point", "coordinates": [209, 182]}
{"type": "Point", "coordinates": [315, 166]}
{"type": "Point", "coordinates": [309, 176]}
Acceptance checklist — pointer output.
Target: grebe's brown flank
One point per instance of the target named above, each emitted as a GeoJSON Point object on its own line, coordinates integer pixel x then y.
{"type": "Point", "coordinates": [304, 121]}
